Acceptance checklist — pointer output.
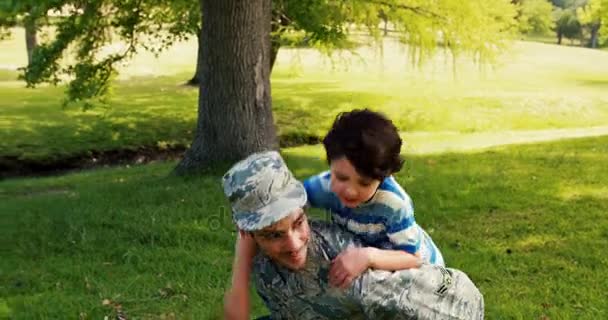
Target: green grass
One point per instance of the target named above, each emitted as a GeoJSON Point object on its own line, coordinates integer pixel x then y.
{"type": "Point", "coordinates": [533, 86]}
{"type": "Point", "coordinates": [8, 75]}
{"type": "Point", "coordinates": [526, 222]}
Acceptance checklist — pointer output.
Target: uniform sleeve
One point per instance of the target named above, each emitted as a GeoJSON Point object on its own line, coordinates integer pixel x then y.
{"type": "Point", "coordinates": [275, 302]}
{"type": "Point", "coordinates": [401, 228]}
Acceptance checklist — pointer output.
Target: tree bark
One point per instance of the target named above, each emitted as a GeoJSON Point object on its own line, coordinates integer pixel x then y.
{"type": "Point", "coordinates": [234, 110]}
{"type": "Point", "coordinates": [385, 27]}
{"type": "Point", "coordinates": [31, 41]}
{"type": "Point", "coordinates": [274, 51]}
{"type": "Point", "coordinates": [196, 78]}
{"type": "Point", "coordinates": [594, 35]}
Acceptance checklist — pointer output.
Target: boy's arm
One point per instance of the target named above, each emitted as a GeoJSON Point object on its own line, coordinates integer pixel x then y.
{"type": "Point", "coordinates": [392, 260]}
{"type": "Point", "coordinates": [353, 261]}
{"type": "Point", "coordinates": [318, 191]}
{"type": "Point", "coordinates": [402, 230]}
{"type": "Point", "coordinates": [236, 300]}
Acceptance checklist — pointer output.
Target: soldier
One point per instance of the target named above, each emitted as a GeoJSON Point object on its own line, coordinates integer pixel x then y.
{"type": "Point", "coordinates": [294, 258]}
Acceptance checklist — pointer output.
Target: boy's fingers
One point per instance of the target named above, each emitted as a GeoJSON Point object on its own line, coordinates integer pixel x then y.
{"type": "Point", "coordinates": [336, 277]}
{"type": "Point", "coordinates": [340, 280]}
{"type": "Point", "coordinates": [346, 282]}
{"type": "Point", "coordinates": [333, 274]}
{"type": "Point", "coordinates": [335, 266]}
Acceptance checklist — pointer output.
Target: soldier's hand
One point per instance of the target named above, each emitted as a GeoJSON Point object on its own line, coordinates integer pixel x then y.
{"type": "Point", "coordinates": [246, 246]}
{"type": "Point", "coordinates": [347, 266]}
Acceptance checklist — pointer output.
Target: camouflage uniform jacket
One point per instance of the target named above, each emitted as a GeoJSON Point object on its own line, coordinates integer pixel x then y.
{"type": "Point", "coordinates": [430, 292]}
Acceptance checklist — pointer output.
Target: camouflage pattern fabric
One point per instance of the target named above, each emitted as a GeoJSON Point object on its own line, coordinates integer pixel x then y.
{"type": "Point", "coordinates": [262, 191]}
{"type": "Point", "coordinates": [430, 292]}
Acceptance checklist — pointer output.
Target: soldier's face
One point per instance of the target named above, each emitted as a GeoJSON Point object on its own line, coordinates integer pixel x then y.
{"type": "Point", "coordinates": [285, 242]}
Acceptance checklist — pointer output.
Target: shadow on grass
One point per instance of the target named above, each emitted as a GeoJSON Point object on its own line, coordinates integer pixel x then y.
{"type": "Point", "coordinates": [311, 107]}
{"type": "Point", "coordinates": [147, 116]}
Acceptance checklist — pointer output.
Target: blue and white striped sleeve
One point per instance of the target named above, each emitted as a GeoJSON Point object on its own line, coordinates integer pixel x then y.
{"type": "Point", "coordinates": [318, 191]}
{"type": "Point", "coordinates": [401, 227]}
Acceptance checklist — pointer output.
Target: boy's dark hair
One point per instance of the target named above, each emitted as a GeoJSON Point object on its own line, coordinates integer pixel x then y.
{"type": "Point", "coordinates": [368, 139]}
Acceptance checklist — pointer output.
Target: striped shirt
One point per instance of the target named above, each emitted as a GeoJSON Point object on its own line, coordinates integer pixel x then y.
{"type": "Point", "coordinates": [386, 221]}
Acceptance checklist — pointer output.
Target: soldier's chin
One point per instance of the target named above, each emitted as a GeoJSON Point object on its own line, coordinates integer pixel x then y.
{"type": "Point", "coordinates": [295, 263]}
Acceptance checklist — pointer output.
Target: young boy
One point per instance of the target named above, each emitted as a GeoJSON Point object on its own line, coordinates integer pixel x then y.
{"type": "Point", "coordinates": [363, 150]}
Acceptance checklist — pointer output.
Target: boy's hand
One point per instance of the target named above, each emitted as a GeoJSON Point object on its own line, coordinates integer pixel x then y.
{"type": "Point", "coordinates": [236, 304]}
{"type": "Point", "coordinates": [348, 265]}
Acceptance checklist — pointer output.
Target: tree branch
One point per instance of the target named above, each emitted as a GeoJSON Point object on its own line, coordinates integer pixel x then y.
{"type": "Point", "coordinates": [417, 10]}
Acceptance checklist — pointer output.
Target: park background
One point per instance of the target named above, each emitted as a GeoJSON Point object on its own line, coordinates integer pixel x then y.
{"type": "Point", "coordinates": [506, 162]}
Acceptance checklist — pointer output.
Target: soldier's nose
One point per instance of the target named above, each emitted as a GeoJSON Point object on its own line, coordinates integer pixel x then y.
{"type": "Point", "coordinates": [293, 242]}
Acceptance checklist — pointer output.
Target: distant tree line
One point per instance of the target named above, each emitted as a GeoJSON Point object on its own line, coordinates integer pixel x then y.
{"type": "Point", "coordinates": [585, 21]}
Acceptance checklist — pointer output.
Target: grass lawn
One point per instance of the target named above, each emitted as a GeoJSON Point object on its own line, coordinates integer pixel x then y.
{"type": "Point", "coordinates": [526, 222]}
{"type": "Point", "coordinates": [533, 86]}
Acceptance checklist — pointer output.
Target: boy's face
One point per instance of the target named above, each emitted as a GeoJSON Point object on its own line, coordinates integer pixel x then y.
{"type": "Point", "coordinates": [351, 188]}
{"type": "Point", "coordinates": [286, 242]}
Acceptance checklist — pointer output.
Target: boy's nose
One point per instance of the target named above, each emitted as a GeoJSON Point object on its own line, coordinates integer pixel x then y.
{"type": "Point", "coordinates": [351, 192]}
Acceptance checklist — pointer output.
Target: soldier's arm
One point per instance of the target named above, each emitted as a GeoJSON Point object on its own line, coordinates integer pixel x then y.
{"type": "Point", "coordinates": [236, 300]}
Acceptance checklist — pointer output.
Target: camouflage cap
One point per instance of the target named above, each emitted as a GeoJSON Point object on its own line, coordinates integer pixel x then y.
{"type": "Point", "coordinates": [262, 191]}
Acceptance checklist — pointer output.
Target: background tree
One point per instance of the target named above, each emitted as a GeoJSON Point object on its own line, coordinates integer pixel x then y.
{"type": "Point", "coordinates": [592, 16]}
{"type": "Point", "coordinates": [235, 114]}
{"type": "Point", "coordinates": [151, 25]}
{"type": "Point", "coordinates": [535, 17]}
{"type": "Point", "coordinates": [30, 14]}
{"type": "Point", "coordinates": [603, 14]}
{"type": "Point", "coordinates": [477, 27]}
{"type": "Point", "coordinates": [566, 24]}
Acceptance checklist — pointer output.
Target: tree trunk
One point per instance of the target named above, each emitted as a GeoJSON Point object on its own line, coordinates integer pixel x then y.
{"type": "Point", "coordinates": [234, 109]}
{"type": "Point", "coordinates": [385, 27]}
{"type": "Point", "coordinates": [196, 78]}
{"type": "Point", "coordinates": [594, 35]}
{"type": "Point", "coordinates": [274, 51]}
{"type": "Point", "coordinates": [382, 15]}
{"type": "Point", "coordinates": [559, 37]}
{"type": "Point", "coordinates": [277, 24]}
{"type": "Point", "coordinates": [31, 41]}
